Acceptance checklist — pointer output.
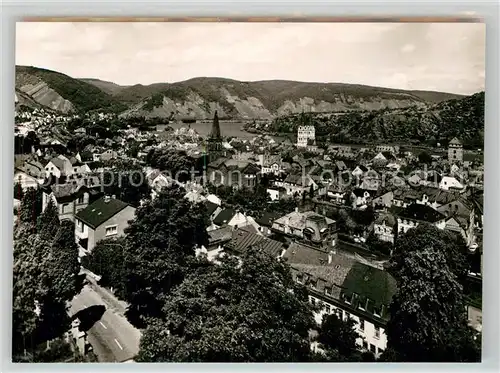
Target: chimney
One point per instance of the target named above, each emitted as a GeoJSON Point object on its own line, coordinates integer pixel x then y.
{"type": "Point", "coordinates": [296, 209]}
{"type": "Point", "coordinates": [106, 199]}
{"type": "Point", "coordinates": [330, 256]}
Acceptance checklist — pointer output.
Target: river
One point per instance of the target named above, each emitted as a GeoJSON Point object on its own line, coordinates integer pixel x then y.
{"type": "Point", "coordinates": [229, 129]}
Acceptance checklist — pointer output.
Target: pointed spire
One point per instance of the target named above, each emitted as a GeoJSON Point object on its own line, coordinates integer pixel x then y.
{"type": "Point", "coordinates": [215, 134]}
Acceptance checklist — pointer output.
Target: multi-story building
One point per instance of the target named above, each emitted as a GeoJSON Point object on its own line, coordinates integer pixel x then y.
{"type": "Point", "coordinates": [105, 218]}
{"type": "Point", "coordinates": [455, 151]}
{"type": "Point", "coordinates": [71, 197]}
{"type": "Point", "coordinates": [346, 288]}
{"type": "Point", "coordinates": [306, 135]}
{"type": "Point", "coordinates": [307, 226]}
{"type": "Point", "coordinates": [414, 214]}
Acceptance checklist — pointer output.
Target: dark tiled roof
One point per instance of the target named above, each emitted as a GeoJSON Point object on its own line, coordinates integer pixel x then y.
{"type": "Point", "coordinates": [325, 277]}
{"type": "Point", "coordinates": [220, 235]}
{"type": "Point", "coordinates": [267, 219]}
{"type": "Point", "coordinates": [242, 240]}
{"type": "Point", "coordinates": [224, 216]}
{"type": "Point", "coordinates": [211, 207]}
{"type": "Point", "coordinates": [304, 254]}
{"type": "Point", "coordinates": [455, 141]}
{"type": "Point", "coordinates": [420, 212]}
{"type": "Point", "coordinates": [369, 283]}
{"type": "Point", "coordinates": [100, 211]}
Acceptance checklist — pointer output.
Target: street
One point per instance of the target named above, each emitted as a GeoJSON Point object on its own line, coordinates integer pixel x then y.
{"type": "Point", "coordinates": [112, 337]}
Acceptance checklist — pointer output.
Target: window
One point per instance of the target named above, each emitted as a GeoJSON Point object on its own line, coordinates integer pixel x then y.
{"type": "Point", "coordinates": [373, 348]}
{"type": "Point", "coordinates": [362, 324]}
{"type": "Point", "coordinates": [365, 344]}
{"type": "Point", "coordinates": [300, 279]}
{"type": "Point", "coordinates": [347, 315]}
{"type": "Point", "coordinates": [328, 308]}
{"type": "Point", "coordinates": [65, 207]}
{"type": "Point", "coordinates": [312, 300]}
{"type": "Point", "coordinates": [81, 199]}
{"type": "Point", "coordinates": [377, 332]}
{"type": "Point", "coordinates": [328, 291]}
{"type": "Point", "coordinates": [111, 230]}
{"type": "Point", "coordinates": [339, 313]}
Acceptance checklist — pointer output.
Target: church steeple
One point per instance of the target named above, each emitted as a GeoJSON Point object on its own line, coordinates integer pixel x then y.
{"type": "Point", "coordinates": [215, 133]}
{"type": "Point", "coordinates": [215, 149]}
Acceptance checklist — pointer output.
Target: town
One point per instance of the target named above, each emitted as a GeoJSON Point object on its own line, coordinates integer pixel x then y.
{"type": "Point", "coordinates": [210, 191]}
{"type": "Point", "coordinates": [336, 214]}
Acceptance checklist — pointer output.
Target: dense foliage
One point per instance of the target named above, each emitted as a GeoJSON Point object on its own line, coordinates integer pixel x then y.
{"type": "Point", "coordinates": [160, 246]}
{"type": "Point", "coordinates": [82, 95]}
{"type": "Point", "coordinates": [251, 312]}
{"type": "Point", "coordinates": [463, 118]}
{"type": "Point", "coordinates": [428, 316]}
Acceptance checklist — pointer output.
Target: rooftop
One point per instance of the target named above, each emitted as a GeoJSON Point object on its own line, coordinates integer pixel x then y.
{"type": "Point", "coordinates": [100, 211]}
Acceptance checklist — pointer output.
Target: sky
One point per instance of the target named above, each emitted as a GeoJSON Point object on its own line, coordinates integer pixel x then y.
{"type": "Point", "coordinates": [447, 57]}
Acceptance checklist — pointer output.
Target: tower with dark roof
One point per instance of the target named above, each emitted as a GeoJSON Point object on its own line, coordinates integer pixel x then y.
{"type": "Point", "coordinates": [455, 151]}
{"type": "Point", "coordinates": [214, 143]}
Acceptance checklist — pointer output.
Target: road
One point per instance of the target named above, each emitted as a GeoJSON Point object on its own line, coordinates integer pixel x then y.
{"type": "Point", "coordinates": [112, 337]}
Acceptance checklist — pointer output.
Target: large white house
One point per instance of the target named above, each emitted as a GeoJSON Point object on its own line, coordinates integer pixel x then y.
{"type": "Point", "coordinates": [305, 136]}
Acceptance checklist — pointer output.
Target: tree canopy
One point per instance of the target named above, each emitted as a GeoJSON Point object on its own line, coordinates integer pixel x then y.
{"type": "Point", "coordinates": [428, 319]}
{"type": "Point", "coordinates": [248, 311]}
{"type": "Point", "coordinates": [160, 245]}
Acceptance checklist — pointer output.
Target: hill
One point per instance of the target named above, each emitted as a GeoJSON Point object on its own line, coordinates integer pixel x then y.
{"type": "Point", "coordinates": [439, 122]}
{"type": "Point", "coordinates": [198, 98]}
{"type": "Point", "coordinates": [63, 93]}
{"type": "Point", "coordinates": [108, 87]}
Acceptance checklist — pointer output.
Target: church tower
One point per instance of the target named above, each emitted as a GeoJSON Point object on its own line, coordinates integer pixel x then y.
{"type": "Point", "coordinates": [214, 144]}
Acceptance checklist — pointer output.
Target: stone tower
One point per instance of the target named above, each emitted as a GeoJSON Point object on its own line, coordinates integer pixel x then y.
{"type": "Point", "coordinates": [214, 143]}
{"type": "Point", "coordinates": [455, 151]}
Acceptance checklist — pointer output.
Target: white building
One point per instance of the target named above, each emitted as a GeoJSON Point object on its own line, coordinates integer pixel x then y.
{"type": "Point", "coordinates": [411, 216]}
{"type": "Point", "coordinates": [337, 283]}
{"type": "Point", "coordinates": [306, 135]}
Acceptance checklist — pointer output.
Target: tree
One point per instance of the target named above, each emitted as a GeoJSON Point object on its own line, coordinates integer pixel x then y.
{"type": "Point", "coordinates": [248, 311]}
{"type": "Point", "coordinates": [451, 245]}
{"type": "Point", "coordinates": [48, 222]}
{"type": "Point", "coordinates": [338, 338]}
{"type": "Point", "coordinates": [18, 191]}
{"type": "Point", "coordinates": [425, 157]}
{"type": "Point", "coordinates": [311, 192]}
{"type": "Point", "coordinates": [127, 181]}
{"type": "Point", "coordinates": [107, 260]}
{"type": "Point", "coordinates": [160, 246]}
{"type": "Point", "coordinates": [428, 320]}
{"type": "Point", "coordinates": [31, 205]}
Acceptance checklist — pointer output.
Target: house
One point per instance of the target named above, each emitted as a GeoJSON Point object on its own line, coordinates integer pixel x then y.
{"type": "Point", "coordinates": [105, 218]}
{"type": "Point", "coordinates": [385, 227]}
{"type": "Point", "coordinates": [387, 148]}
{"type": "Point", "coordinates": [336, 192]}
{"type": "Point", "coordinates": [266, 222]}
{"type": "Point", "coordinates": [105, 156]}
{"type": "Point", "coordinates": [231, 172]}
{"type": "Point", "coordinates": [308, 226]}
{"type": "Point", "coordinates": [243, 239]}
{"type": "Point", "coordinates": [213, 209]}
{"type": "Point", "coordinates": [276, 193]}
{"type": "Point", "coordinates": [26, 180]}
{"type": "Point", "coordinates": [460, 218]}
{"type": "Point", "coordinates": [363, 197]}
{"type": "Point", "coordinates": [234, 219]}
{"type": "Point", "coordinates": [59, 166]}
{"type": "Point", "coordinates": [414, 214]}
{"type": "Point", "coordinates": [449, 182]}
{"type": "Point", "coordinates": [346, 288]}
{"type": "Point", "coordinates": [359, 171]}
{"type": "Point", "coordinates": [297, 184]}
{"type": "Point", "coordinates": [71, 197]}
{"type": "Point", "coordinates": [216, 241]}
{"type": "Point", "coordinates": [271, 164]}
{"type": "Point", "coordinates": [383, 200]}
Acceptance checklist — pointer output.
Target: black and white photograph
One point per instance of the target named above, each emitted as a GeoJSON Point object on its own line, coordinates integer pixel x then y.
{"type": "Point", "coordinates": [252, 191]}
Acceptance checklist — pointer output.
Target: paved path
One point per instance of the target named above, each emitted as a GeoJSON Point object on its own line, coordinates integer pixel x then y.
{"type": "Point", "coordinates": [112, 337]}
